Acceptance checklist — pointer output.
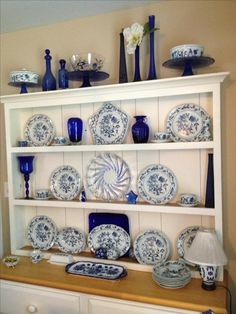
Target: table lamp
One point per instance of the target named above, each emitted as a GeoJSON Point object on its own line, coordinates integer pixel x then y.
{"type": "Point", "coordinates": [206, 251]}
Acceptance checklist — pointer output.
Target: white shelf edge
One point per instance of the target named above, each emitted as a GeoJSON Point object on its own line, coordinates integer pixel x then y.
{"type": "Point", "coordinates": [144, 207]}
{"type": "Point", "coordinates": [115, 147]}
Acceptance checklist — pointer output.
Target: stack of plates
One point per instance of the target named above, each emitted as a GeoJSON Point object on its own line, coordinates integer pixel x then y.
{"type": "Point", "coordinates": [171, 274]}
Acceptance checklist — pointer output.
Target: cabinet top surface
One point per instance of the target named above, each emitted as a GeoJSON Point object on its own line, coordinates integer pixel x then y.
{"type": "Point", "coordinates": [137, 286]}
{"type": "Point", "coordinates": [120, 89]}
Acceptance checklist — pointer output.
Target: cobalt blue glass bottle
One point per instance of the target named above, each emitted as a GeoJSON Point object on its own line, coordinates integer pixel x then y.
{"type": "Point", "coordinates": [140, 130]}
{"type": "Point", "coordinates": [49, 81]}
{"type": "Point", "coordinates": [75, 130]}
{"type": "Point", "coordinates": [123, 78]}
{"type": "Point", "coordinates": [26, 168]}
{"type": "Point", "coordinates": [137, 76]}
{"type": "Point", "coordinates": [63, 80]}
{"type": "Point", "coordinates": [152, 69]}
{"type": "Point", "coordinates": [210, 195]}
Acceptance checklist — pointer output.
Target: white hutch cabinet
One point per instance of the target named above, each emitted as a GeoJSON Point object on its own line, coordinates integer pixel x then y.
{"type": "Point", "coordinates": [155, 99]}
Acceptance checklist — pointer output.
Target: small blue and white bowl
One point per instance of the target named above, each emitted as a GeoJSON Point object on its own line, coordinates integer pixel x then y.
{"type": "Point", "coordinates": [188, 199]}
{"type": "Point", "coordinates": [22, 143]}
{"type": "Point", "coordinates": [43, 194]}
{"type": "Point", "coordinates": [60, 140]}
{"type": "Point", "coordinates": [186, 51]}
{"type": "Point", "coordinates": [161, 137]}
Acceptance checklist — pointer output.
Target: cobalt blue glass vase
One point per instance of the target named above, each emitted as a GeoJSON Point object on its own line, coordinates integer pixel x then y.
{"type": "Point", "coordinates": [140, 130]}
{"type": "Point", "coordinates": [210, 195]}
{"type": "Point", "coordinates": [75, 130]}
{"type": "Point", "coordinates": [26, 167]}
{"type": "Point", "coordinates": [137, 76]}
{"type": "Point", "coordinates": [123, 78]}
{"type": "Point", "coordinates": [49, 81]}
{"type": "Point", "coordinates": [63, 80]}
{"type": "Point", "coordinates": [152, 69]}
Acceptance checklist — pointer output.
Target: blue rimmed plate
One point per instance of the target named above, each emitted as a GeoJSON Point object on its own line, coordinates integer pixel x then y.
{"type": "Point", "coordinates": [71, 240]}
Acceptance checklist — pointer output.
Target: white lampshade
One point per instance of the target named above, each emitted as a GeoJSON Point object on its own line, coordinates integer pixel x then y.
{"type": "Point", "coordinates": [206, 250]}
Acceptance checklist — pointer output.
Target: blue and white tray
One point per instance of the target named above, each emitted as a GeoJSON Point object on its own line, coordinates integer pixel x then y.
{"type": "Point", "coordinates": [96, 270]}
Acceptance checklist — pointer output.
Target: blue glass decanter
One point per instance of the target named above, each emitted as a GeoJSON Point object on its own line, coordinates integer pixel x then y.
{"type": "Point", "coordinates": [140, 130]}
{"type": "Point", "coordinates": [26, 167]}
{"type": "Point", "coordinates": [75, 130]}
{"type": "Point", "coordinates": [152, 69]}
{"type": "Point", "coordinates": [63, 80]}
{"type": "Point", "coordinates": [49, 81]}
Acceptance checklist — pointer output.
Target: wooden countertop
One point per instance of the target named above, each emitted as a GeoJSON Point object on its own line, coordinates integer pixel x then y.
{"type": "Point", "coordinates": [137, 286]}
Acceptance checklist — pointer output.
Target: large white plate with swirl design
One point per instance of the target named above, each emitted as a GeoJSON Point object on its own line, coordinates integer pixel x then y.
{"type": "Point", "coordinates": [71, 240]}
{"type": "Point", "coordinates": [109, 236]}
{"type": "Point", "coordinates": [185, 239]}
{"type": "Point", "coordinates": [151, 247]}
{"type": "Point", "coordinates": [42, 232]}
{"type": "Point", "coordinates": [39, 130]}
{"type": "Point", "coordinates": [108, 177]}
{"type": "Point", "coordinates": [65, 183]}
{"type": "Point", "coordinates": [157, 184]}
{"type": "Point", "coordinates": [188, 122]}
{"type": "Point", "coordinates": [109, 125]}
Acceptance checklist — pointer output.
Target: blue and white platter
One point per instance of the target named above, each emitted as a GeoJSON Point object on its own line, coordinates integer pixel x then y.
{"type": "Point", "coordinates": [109, 125]}
{"type": "Point", "coordinates": [42, 232]}
{"type": "Point", "coordinates": [151, 247]}
{"type": "Point", "coordinates": [185, 239]}
{"type": "Point", "coordinates": [96, 270]}
{"type": "Point", "coordinates": [65, 183]}
{"type": "Point", "coordinates": [188, 123]}
{"type": "Point", "coordinates": [108, 177]}
{"type": "Point", "coordinates": [157, 184]}
{"type": "Point", "coordinates": [39, 130]}
{"type": "Point", "coordinates": [110, 237]}
{"type": "Point", "coordinates": [71, 240]}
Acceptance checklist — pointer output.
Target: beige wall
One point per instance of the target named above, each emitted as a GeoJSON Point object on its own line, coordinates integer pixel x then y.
{"type": "Point", "coordinates": [210, 23]}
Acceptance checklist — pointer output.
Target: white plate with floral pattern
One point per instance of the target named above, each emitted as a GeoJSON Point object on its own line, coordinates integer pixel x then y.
{"type": "Point", "coordinates": [109, 236]}
{"type": "Point", "coordinates": [185, 239]}
{"type": "Point", "coordinates": [157, 184]}
{"type": "Point", "coordinates": [65, 183]}
{"type": "Point", "coordinates": [42, 232]}
{"type": "Point", "coordinates": [188, 123]}
{"type": "Point", "coordinates": [109, 125]}
{"type": "Point", "coordinates": [39, 130]}
{"type": "Point", "coordinates": [151, 247]}
{"type": "Point", "coordinates": [71, 240]}
{"type": "Point", "coordinates": [108, 177]}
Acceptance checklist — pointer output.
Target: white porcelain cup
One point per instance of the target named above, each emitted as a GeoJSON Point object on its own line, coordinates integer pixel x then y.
{"type": "Point", "coordinates": [61, 140]}
{"type": "Point", "coordinates": [161, 136]}
{"type": "Point", "coordinates": [36, 256]}
{"type": "Point", "coordinates": [42, 194]}
{"type": "Point", "coordinates": [188, 198]}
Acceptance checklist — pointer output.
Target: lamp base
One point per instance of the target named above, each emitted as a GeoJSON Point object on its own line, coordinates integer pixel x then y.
{"type": "Point", "coordinates": [208, 286]}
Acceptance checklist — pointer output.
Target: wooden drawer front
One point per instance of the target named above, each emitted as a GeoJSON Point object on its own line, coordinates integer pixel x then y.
{"type": "Point", "coordinates": [25, 300]}
{"type": "Point", "coordinates": [97, 306]}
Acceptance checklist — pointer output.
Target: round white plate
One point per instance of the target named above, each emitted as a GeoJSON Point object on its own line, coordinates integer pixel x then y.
{"type": "Point", "coordinates": [188, 122]}
{"type": "Point", "coordinates": [71, 240]}
{"type": "Point", "coordinates": [108, 177]}
{"type": "Point", "coordinates": [65, 183]}
{"type": "Point", "coordinates": [39, 130]}
{"type": "Point", "coordinates": [42, 232]}
{"type": "Point", "coordinates": [157, 184]}
{"type": "Point", "coordinates": [151, 247]}
{"type": "Point", "coordinates": [185, 239]}
{"type": "Point", "coordinates": [109, 236]}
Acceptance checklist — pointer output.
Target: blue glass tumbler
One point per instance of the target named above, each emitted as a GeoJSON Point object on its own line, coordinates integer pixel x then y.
{"type": "Point", "coordinates": [26, 167]}
{"type": "Point", "coordinates": [75, 130]}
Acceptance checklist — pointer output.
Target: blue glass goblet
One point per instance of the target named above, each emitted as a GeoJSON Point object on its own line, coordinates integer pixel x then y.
{"type": "Point", "coordinates": [75, 129]}
{"type": "Point", "coordinates": [26, 167]}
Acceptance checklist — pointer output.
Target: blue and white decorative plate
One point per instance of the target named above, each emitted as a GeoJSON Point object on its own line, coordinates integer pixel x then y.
{"type": "Point", "coordinates": [157, 184]}
{"type": "Point", "coordinates": [185, 239]}
{"type": "Point", "coordinates": [108, 177]}
{"type": "Point", "coordinates": [109, 125]}
{"type": "Point", "coordinates": [65, 183]}
{"type": "Point", "coordinates": [71, 240]}
{"type": "Point", "coordinates": [39, 130]}
{"type": "Point", "coordinates": [151, 247]}
{"type": "Point", "coordinates": [96, 270]}
{"type": "Point", "coordinates": [110, 237]}
{"type": "Point", "coordinates": [42, 232]}
{"type": "Point", "coordinates": [189, 123]}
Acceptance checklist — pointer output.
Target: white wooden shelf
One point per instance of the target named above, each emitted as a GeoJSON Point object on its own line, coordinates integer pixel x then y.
{"type": "Point", "coordinates": [117, 147]}
{"type": "Point", "coordinates": [120, 206]}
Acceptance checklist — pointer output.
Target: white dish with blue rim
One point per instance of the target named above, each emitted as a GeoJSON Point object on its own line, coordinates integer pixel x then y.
{"type": "Point", "coordinates": [110, 237]}
{"type": "Point", "coordinates": [39, 130]}
{"type": "Point", "coordinates": [65, 183]}
{"type": "Point", "coordinates": [185, 239]}
{"type": "Point", "coordinates": [108, 177]}
{"type": "Point", "coordinates": [42, 232]}
{"type": "Point", "coordinates": [109, 125]}
{"type": "Point", "coordinates": [157, 184]}
{"type": "Point", "coordinates": [188, 123]}
{"type": "Point", "coordinates": [71, 240]}
{"type": "Point", "coordinates": [151, 247]}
